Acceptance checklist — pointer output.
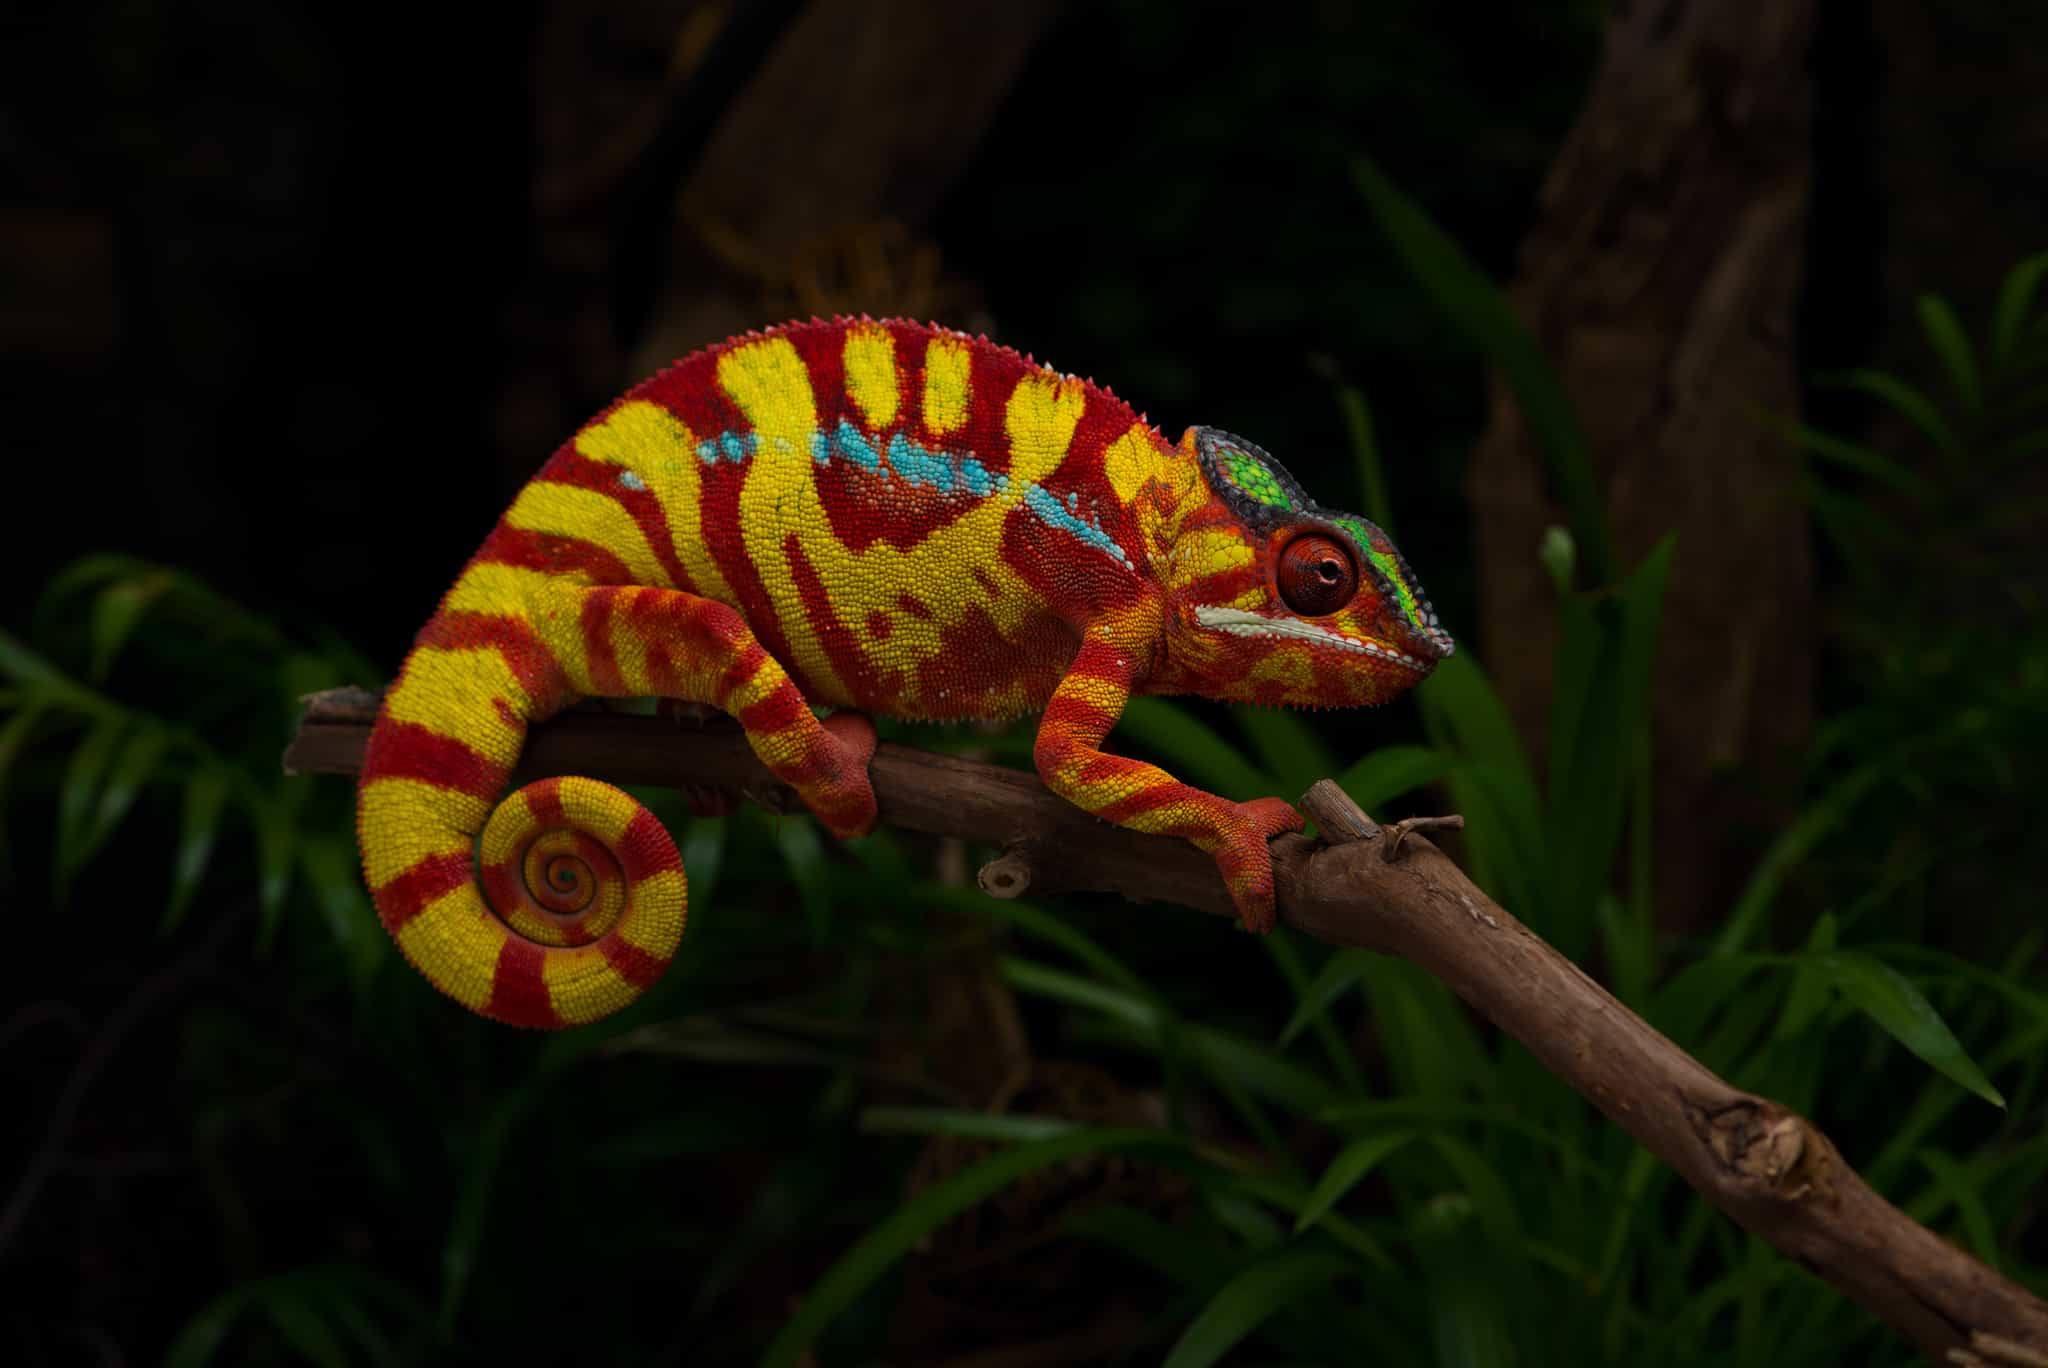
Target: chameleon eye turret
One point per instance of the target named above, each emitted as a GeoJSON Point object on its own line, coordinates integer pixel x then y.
{"type": "Point", "coordinates": [865, 517]}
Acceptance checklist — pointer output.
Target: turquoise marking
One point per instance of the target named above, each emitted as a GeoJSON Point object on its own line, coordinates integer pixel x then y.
{"type": "Point", "coordinates": [731, 446]}
{"type": "Point", "coordinates": [921, 467]}
{"type": "Point", "coordinates": [631, 481]}
{"type": "Point", "coordinates": [1053, 513]}
{"type": "Point", "coordinates": [856, 448]}
{"type": "Point", "coordinates": [821, 448]}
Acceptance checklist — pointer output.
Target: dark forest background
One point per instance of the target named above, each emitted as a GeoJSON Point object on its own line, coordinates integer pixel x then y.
{"type": "Point", "coordinates": [295, 296]}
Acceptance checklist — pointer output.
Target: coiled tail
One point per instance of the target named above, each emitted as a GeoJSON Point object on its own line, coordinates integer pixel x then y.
{"type": "Point", "coordinates": [560, 904]}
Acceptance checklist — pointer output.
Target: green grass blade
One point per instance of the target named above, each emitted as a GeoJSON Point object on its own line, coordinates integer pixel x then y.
{"type": "Point", "coordinates": [1346, 1171]}
{"type": "Point", "coordinates": [1945, 333]}
{"type": "Point", "coordinates": [1339, 972]}
{"type": "Point", "coordinates": [1857, 457]}
{"type": "Point", "coordinates": [1195, 753]}
{"type": "Point", "coordinates": [84, 774]}
{"type": "Point", "coordinates": [861, 1266]}
{"type": "Point", "coordinates": [133, 767]}
{"type": "Point", "coordinates": [1247, 1301]}
{"type": "Point", "coordinates": [897, 1120]}
{"type": "Point", "coordinates": [1365, 454]}
{"type": "Point", "coordinates": [199, 1340]}
{"type": "Point", "coordinates": [1076, 991]}
{"type": "Point", "coordinates": [115, 613]}
{"type": "Point", "coordinates": [473, 1203]}
{"type": "Point", "coordinates": [1956, 1185]}
{"type": "Point", "coordinates": [1171, 1250]}
{"type": "Point", "coordinates": [1287, 748]}
{"type": "Point", "coordinates": [1390, 771]}
{"type": "Point", "coordinates": [300, 1324]}
{"type": "Point", "coordinates": [1890, 999]}
{"type": "Point", "coordinates": [1479, 310]}
{"type": "Point", "coordinates": [1911, 403]}
{"type": "Point", "coordinates": [206, 794]}
{"type": "Point", "coordinates": [2015, 303]}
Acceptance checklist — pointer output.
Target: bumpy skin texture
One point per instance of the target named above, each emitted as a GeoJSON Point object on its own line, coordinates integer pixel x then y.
{"type": "Point", "coordinates": [869, 517]}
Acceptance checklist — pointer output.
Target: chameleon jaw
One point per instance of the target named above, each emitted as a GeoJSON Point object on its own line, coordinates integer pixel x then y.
{"type": "Point", "coordinates": [1238, 622]}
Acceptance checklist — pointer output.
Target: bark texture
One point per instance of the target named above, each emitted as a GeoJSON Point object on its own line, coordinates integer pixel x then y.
{"type": "Point", "coordinates": [1661, 280]}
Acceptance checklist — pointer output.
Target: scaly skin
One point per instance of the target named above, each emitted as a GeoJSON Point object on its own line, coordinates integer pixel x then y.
{"type": "Point", "coordinates": [875, 518]}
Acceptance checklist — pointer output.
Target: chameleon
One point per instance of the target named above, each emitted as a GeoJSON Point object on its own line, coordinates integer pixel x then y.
{"type": "Point", "coordinates": [812, 524]}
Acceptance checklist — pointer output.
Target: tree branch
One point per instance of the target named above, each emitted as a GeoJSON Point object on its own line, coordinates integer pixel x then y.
{"type": "Point", "coordinates": [1764, 1166]}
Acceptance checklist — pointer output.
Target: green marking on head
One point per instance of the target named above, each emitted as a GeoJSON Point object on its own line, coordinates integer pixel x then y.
{"type": "Point", "coordinates": [1388, 564]}
{"type": "Point", "coordinates": [1250, 475]}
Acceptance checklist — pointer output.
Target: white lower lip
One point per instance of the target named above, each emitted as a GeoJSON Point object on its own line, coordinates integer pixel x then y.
{"type": "Point", "coordinates": [1240, 623]}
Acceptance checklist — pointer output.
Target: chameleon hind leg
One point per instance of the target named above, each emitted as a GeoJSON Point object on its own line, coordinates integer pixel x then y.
{"type": "Point", "coordinates": [641, 642]}
{"type": "Point", "coordinates": [1143, 797]}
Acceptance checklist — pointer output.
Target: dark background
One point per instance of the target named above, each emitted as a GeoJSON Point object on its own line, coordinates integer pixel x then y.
{"type": "Point", "coordinates": [295, 296]}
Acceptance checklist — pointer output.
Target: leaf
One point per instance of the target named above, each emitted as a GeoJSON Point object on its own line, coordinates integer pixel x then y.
{"type": "Point", "coordinates": [1891, 1000]}
{"type": "Point", "coordinates": [1244, 1303]}
{"type": "Point", "coordinates": [861, 1266]}
{"type": "Point", "coordinates": [1479, 310]}
{"type": "Point", "coordinates": [338, 888]}
{"type": "Point", "coordinates": [82, 777]}
{"type": "Point", "coordinates": [1338, 973]}
{"type": "Point", "coordinates": [205, 795]}
{"type": "Point", "coordinates": [275, 833]}
{"type": "Point", "coordinates": [1955, 1183]}
{"type": "Point", "coordinates": [1077, 991]}
{"type": "Point", "coordinates": [1911, 403]}
{"type": "Point", "coordinates": [119, 607]}
{"type": "Point", "coordinates": [1864, 460]}
{"type": "Point", "coordinates": [1286, 747]}
{"type": "Point", "coordinates": [1945, 334]}
{"type": "Point", "coordinates": [1365, 454]}
{"type": "Point", "coordinates": [1810, 983]}
{"type": "Point", "coordinates": [1346, 1171]}
{"type": "Point", "coordinates": [301, 1324]}
{"type": "Point", "coordinates": [884, 1120]}
{"type": "Point", "coordinates": [1195, 753]}
{"type": "Point", "coordinates": [130, 769]}
{"type": "Point", "coordinates": [2015, 301]}
{"type": "Point", "coordinates": [1391, 771]}
{"type": "Point", "coordinates": [1172, 1250]}
{"type": "Point", "coordinates": [473, 1202]}
{"type": "Point", "coordinates": [24, 666]}
{"type": "Point", "coordinates": [202, 1336]}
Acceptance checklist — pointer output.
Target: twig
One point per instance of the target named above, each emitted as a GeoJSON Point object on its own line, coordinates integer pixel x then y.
{"type": "Point", "coordinates": [1767, 1168]}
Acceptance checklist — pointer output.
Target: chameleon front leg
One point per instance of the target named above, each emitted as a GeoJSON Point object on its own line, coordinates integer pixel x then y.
{"type": "Point", "coordinates": [630, 641]}
{"type": "Point", "coordinates": [1144, 797]}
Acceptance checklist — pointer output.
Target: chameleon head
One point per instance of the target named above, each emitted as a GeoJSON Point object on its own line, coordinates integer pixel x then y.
{"type": "Point", "coordinates": [1275, 599]}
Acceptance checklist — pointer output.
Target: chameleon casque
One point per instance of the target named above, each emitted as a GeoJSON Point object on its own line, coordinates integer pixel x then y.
{"type": "Point", "coordinates": [872, 517]}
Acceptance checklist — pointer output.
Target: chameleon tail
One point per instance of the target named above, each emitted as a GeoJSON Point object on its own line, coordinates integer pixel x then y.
{"type": "Point", "coordinates": [573, 900]}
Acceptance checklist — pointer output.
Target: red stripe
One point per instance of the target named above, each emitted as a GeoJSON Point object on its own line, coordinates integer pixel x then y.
{"type": "Point", "coordinates": [841, 648]}
{"type": "Point", "coordinates": [539, 677]}
{"type": "Point", "coordinates": [554, 554]}
{"type": "Point", "coordinates": [740, 672]}
{"type": "Point", "coordinates": [1076, 717]}
{"type": "Point", "coordinates": [410, 750]}
{"type": "Point", "coordinates": [645, 848]}
{"type": "Point", "coordinates": [778, 710]}
{"type": "Point", "coordinates": [633, 964]}
{"type": "Point", "coordinates": [519, 992]}
{"type": "Point", "coordinates": [600, 659]}
{"type": "Point", "coordinates": [571, 467]}
{"type": "Point", "coordinates": [435, 876]}
{"type": "Point", "coordinates": [1148, 799]}
{"type": "Point", "coordinates": [544, 798]}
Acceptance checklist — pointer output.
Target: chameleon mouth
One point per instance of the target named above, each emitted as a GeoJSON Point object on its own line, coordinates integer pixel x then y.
{"type": "Point", "coordinates": [1238, 622]}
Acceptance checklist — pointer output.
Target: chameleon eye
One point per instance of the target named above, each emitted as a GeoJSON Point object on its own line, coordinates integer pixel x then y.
{"type": "Point", "coordinates": [1316, 574]}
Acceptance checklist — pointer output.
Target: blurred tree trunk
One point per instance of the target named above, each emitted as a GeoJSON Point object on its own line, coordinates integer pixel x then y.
{"type": "Point", "coordinates": [1661, 278]}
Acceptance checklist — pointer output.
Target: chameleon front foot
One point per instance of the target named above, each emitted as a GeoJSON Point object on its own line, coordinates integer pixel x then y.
{"type": "Point", "coordinates": [1245, 860]}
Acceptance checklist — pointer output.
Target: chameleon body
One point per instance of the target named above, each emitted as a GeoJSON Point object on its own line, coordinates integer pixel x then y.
{"type": "Point", "coordinates": [868, 517]}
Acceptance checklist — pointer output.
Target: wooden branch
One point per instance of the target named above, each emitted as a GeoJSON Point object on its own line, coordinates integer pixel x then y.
{"type": "Point", "coordinates": [1767, 1168]}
